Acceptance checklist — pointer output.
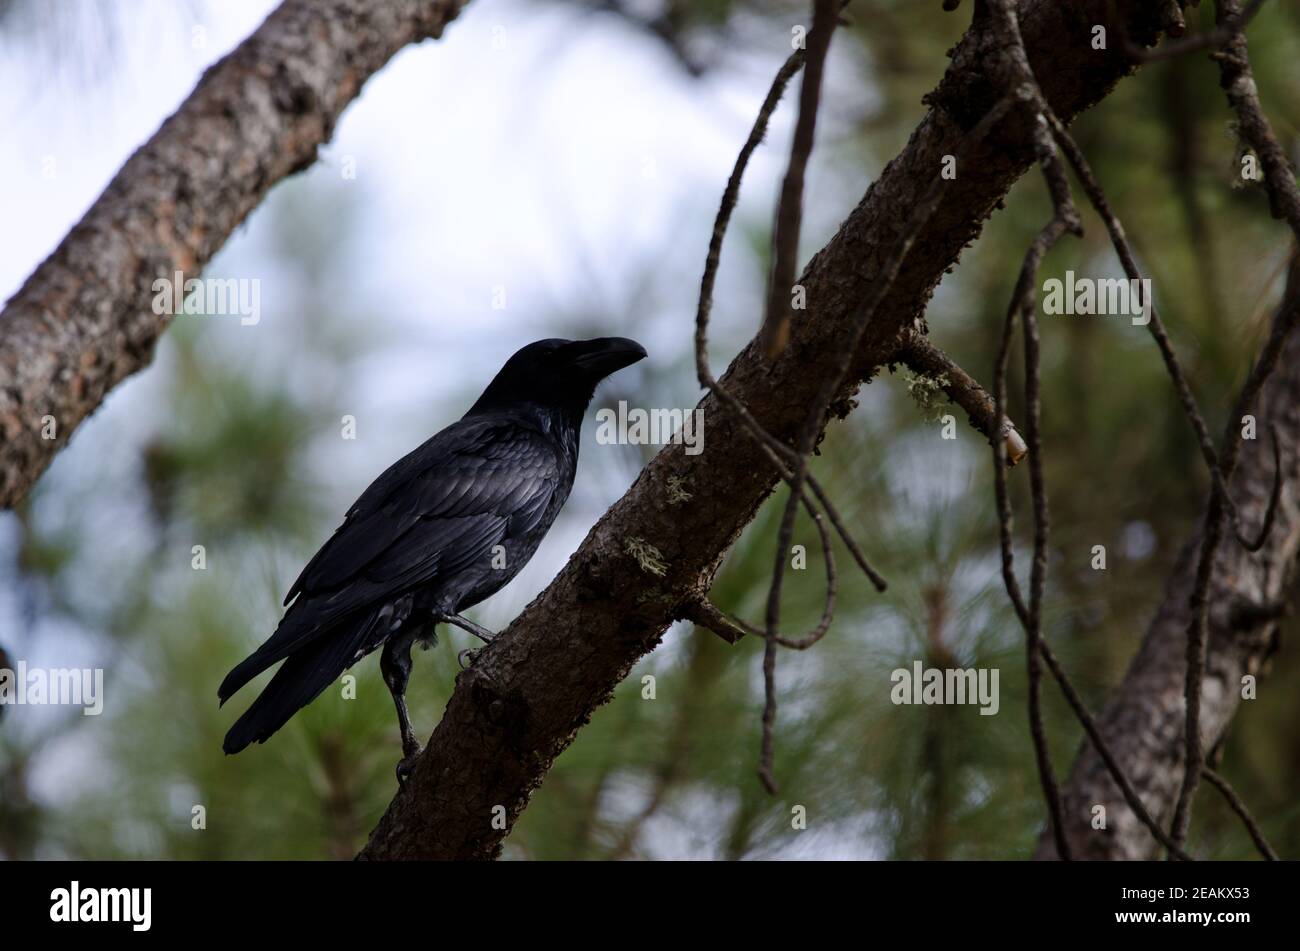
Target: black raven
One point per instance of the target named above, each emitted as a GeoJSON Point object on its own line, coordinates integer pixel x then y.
{"type": "Point", "coordinates": [443, 528]}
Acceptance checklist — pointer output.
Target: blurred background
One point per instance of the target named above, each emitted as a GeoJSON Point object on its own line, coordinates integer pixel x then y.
{"type": "Point", "coordinates": [567, 158]}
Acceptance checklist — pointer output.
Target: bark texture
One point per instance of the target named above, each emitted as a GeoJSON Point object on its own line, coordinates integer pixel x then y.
{"type": "Point", "coordinates": [526, 697]}
{"type": "Point", "coordinates": [84, 320]}
{"type": "Point", "coordinates": [1144, 719]}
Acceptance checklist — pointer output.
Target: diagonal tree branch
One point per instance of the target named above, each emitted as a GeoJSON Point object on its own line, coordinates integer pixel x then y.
{"type": "Point", "coordinates": [82, 322]}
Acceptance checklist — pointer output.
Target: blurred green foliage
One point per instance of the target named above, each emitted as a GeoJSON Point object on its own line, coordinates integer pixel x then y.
{"type": "Point", "coordinates": [234, 463]}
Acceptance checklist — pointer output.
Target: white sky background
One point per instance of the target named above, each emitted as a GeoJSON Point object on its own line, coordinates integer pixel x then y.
{"type": "Point", "coordinates": [558, 166]}
{"type": "Point", "coordinates": [579, 142]}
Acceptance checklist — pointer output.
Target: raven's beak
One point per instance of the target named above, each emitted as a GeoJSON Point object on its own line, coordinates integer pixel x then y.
{"type": "Point", "coordinates": [602, 356]}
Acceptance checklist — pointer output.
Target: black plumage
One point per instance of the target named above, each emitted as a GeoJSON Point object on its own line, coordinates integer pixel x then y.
{"type": "Point", "coordinates": [443, 528]}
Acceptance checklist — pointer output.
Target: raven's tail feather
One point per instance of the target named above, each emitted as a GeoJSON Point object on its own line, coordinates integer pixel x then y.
{"type": "Point", "coordinates": [244, 671]}
{"type": "Point", "coordinates": [298, 682]}
{"type": "Point", "coordinates": [298, 628]}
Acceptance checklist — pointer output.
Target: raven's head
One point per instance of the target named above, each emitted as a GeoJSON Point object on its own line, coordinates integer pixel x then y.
{"type": "Point", "coordinates": [559, 373]}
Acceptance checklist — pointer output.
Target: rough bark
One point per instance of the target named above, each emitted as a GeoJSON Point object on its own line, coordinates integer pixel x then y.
{"type": "Point", "coordinates": [83, 321]}
{"type": "Point", "coordinates": [526, 697]}
{"type": "Point", "coordinates": [1143, 721]}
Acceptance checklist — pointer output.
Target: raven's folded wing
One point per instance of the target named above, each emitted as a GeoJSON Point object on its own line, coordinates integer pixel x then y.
{"type": "Point", "coordinates": [485, 466]}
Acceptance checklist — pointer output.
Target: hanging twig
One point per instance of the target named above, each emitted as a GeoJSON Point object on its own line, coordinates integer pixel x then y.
{"type": "Point", "coordinates": [1020, 81]}
{"type": "Point", "coordinates": [789, 213]}
{"type": "Point", "coordinates": [1239, 807]}
{"type": "Point", "coordinates": [788, 463]}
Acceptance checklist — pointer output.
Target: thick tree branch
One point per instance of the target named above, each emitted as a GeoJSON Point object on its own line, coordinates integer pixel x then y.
{"type": "Point", "coordinates": [529, 693]}
{"type": "Point", "coordinates": [83, 321]}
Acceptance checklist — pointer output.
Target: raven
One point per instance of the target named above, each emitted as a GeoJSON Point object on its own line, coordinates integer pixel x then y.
{"type": "Point", "coordinates": [443, 528]}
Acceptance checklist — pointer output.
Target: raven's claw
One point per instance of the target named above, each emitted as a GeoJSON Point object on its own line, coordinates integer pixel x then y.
{"type": "Point", "coordinates": [407, 763]}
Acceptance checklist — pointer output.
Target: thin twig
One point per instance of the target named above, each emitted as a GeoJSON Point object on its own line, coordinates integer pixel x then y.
{"type": "Point", "coordinates": [1227, 28]}
{"type": "Point", "coordinates": [1021, 81]}
{"type": "Point", "coordinates": [1155, 326]}
{"type": "Point", "coordinates": [788, 463]}
{"type": "Point", "coordinates": [731, 629]}
{"type": "Point", "coordinates": [775, 450]}
{"type": "Point", "coordinates": [775, 332]}
{"type": "Point", "coordinates": [923, 357]}
{"type": "Point", "coordinates": [1090, 727]}
{"type": "Point", "coordinates": [807, 439]}
{"type": "Point", "coordinates": [773, 336]}
{"type": "Point", "coordinates": [1238, 83]}
{"type": "Point", "coordinates": [1239, 807]}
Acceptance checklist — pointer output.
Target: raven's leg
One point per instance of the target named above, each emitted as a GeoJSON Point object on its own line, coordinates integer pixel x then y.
{"type": "Point", "coordinates": [395, 664]}
{"type": "Point", "coordinates": [465, 624]}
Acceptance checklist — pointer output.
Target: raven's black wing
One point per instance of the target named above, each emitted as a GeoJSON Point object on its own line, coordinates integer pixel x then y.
{"type": "Point", "coordinates": [432, 513]}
